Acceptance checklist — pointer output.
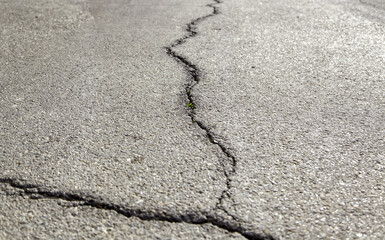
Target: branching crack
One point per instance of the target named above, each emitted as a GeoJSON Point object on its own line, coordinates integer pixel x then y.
{"type": "Point", "coordinates": [229, 223]}
{"type": "Point", "coordinates": [194, 79]}
{"type": "Point", "coordinates": [199, 218]}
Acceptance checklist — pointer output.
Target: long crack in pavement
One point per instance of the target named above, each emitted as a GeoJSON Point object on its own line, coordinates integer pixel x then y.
{"type": "Point", "coordinates": [36, 192]}
{"type": "Point", "coordinates": [194, 79]}
{"type": "Point", "coordinates": [229, 223]}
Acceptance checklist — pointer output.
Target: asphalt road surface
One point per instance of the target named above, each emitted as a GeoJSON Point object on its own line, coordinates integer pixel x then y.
{"type": "Point", "coordinates": [176, 119]}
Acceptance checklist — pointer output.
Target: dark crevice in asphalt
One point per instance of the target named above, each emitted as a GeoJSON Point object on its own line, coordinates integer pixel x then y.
{"type": "Point", "coordinates": [194, 79]}
{"type": "Point", "coordinates": [36, 192]}
{"type": "Point", "coordinates": [229, 223]}
{"type": "Point", "coordinates": [232, 225]}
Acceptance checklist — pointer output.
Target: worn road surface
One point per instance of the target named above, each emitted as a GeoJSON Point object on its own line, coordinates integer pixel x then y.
{"type": "Point", "coordinates": [176, 119]}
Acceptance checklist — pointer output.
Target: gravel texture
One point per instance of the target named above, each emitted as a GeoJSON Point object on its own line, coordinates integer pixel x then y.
{"type": "Point", "coordinates": [295, 91]}
{"type": "Point", "coordinates": [174, 119]}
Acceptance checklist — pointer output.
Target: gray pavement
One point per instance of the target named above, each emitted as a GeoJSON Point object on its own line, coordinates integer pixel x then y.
{"type": "Point", "coordinates": [280, 134]}
{"type": "Point", "coordinates": [60, 219]}
{"type": "Point", "coordinates": [298, 99]}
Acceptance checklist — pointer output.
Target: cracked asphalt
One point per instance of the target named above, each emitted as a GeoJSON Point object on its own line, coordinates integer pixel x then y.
{"type": "Point", "coordinates": [233, 119]}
